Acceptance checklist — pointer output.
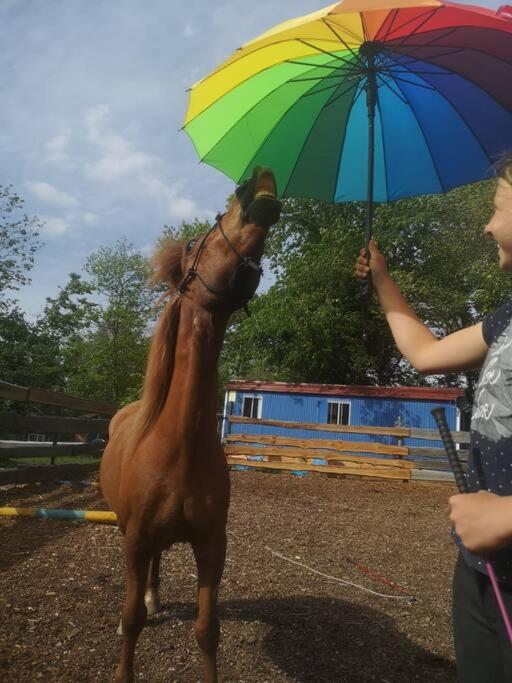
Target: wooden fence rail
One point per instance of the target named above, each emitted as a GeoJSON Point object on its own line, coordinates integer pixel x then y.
{"type": "Point", "coordinates": [399, 432]}
{"type": "Point", "coordinates": [13, 392]}
{"type": "Point", "coordinates": [15, 423]}
{"type": "Point", "coordinates": [338, 456]}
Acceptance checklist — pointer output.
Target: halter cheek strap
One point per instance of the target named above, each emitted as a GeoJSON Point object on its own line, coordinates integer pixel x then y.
{"type": "Point", "coordinates": [245, 261]}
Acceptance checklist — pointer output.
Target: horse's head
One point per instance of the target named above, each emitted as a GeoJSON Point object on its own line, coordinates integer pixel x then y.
{"type": "Point", "coordinates": [222, 268]}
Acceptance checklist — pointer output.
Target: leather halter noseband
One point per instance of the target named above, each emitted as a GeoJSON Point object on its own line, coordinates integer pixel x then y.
{"type": "Point", "coordinates": [192, 272]}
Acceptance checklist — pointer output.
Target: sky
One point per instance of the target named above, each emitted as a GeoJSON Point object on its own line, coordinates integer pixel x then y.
{"type": "Point", "coordinates": [93, 95]}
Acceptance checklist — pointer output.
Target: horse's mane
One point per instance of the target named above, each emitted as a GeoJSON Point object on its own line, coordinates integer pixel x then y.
{"type": "Point", "coordinates": [166, 266]}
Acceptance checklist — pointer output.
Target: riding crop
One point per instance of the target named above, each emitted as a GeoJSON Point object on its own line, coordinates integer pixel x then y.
{"type": "Point", "coordinates": [462, 485]}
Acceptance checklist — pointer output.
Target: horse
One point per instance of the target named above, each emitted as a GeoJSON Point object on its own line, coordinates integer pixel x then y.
{"type": "Point", "coordinates": [164, 471]}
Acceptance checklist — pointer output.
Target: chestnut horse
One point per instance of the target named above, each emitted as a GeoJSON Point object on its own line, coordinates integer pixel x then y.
{"type": "Point", "coordinates": [164, 471]}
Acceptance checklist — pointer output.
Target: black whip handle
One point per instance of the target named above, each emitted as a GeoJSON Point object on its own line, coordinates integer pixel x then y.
{"type": "Point", "coordinates": [366, 291]}
{"type": "Point", "coordinates": [460, 478]}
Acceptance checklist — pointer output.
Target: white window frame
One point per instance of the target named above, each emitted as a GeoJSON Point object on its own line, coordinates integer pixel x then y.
{"type": "Point", "coordinates": [259, 404]}
{"type": "Point", "coordinates": [340, 412]}
{"type": "Point", "coordinates": [230, 398]}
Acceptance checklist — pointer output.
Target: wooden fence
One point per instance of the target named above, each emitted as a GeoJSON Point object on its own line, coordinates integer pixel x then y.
{"type": "Point", "coordinates": [330, 456]}
{"type": "Point", "coordinates": [17, 422]}
{"type": "Point", "coordinates": [343, 457]}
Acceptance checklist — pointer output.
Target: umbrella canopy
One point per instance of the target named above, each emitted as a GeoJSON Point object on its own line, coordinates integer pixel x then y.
{"type": "Point", "coordinates": [297, 99]}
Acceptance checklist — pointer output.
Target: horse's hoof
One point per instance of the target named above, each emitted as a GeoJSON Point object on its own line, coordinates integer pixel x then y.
{"type": "Point", "coordinates": [123, 676]}
{"type": "Point", "coordinates": [153, 606]}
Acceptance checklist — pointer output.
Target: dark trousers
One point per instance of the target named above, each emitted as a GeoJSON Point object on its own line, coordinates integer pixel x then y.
{"type": "Point", "coordinates": [482, 648]}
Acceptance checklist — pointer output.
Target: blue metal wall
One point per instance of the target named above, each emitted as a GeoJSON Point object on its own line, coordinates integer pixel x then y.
{"type": "Point", "coordinates": [382, 412]}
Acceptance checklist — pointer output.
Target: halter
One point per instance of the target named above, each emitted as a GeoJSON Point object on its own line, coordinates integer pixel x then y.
{"type": "Point", "coordinates": [192, 273]}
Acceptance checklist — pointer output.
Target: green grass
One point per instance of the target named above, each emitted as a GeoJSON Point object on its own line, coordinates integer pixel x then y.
{"type": "Point", "coordinates": [45, 460]}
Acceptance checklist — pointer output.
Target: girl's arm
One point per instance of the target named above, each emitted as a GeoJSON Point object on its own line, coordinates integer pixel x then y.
{"type": "Point", "coordinates": [463, 349]}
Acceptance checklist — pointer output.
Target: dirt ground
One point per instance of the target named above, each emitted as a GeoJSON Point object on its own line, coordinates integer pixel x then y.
{"type": "Point", "coordinates": [61, 587]}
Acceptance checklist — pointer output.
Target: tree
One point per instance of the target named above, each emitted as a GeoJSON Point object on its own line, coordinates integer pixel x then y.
{"type": "Point", "coordinates": [109, 357]}
{"type": "Point", "coordinates": [28, 356]}
{"type": "Point", "coordinates": [19, 240]}
{"type": "Point", "coordinates": [310, 326]}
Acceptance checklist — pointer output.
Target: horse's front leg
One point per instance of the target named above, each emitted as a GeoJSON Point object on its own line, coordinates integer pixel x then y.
{"type": "Point", "coordinates": [210, 559]}
{"type": "Point", "coordinates": [137, 558]}
{"type": "Point", "coordinates": [152, 598]}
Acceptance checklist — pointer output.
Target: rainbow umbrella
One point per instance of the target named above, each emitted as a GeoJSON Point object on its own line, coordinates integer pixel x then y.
{"type": "Point", "coordinates": [370, 100]}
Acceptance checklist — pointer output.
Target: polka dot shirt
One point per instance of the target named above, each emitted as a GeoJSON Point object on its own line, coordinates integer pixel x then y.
{"type": "Point", "coordinates": [490, 457]}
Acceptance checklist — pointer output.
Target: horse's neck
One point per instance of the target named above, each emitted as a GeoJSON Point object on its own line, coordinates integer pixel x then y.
{"type": "Point", "coordinates": [192, 398]}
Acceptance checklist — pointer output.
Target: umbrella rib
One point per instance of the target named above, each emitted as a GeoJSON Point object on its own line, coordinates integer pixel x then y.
{"type": "Point", "coordinates": [366, 34]}
{"type": "Point", "coordinates": [393, 14]}
{"type": "Point", "coordinates": [407, 59]}
{"type": "Point", "coordinates": [314, 66]}
{"type": "Point", "coordinates": [326, 52]}
{"type": "Point", "coordinates": [337, 97]}
{"type": "Point", "coordinates": [415, 47]}
{"type": "Point", "coordinates": [429, 14]}
{"type": "Point", "coordinates": [390, 70]}
{"type": "Point", "coordinates": [316, 92]}
{"type": "Point", "coordinates": [356, 56]}
{"type": "Point", "coordinates": [452, 51]}
{"type": "Point", "coordinates": [331, 25]}
{"type": "Point", "coordinates": [397, 94]}
{"type": "Point", "coordinates": [322, 78]}
{"type": "Point", "coordinates": [417, 85]}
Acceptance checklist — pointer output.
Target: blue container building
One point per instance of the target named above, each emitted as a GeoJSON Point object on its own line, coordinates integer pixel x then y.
{"type": "Point", "coordinates": [339, 405]}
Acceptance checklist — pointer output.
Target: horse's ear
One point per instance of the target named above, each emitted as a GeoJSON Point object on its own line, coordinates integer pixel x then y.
{"type": "Point", "coordinates": [166, 262]}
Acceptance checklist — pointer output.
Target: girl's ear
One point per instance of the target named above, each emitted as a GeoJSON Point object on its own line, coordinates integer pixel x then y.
{"type": "Point", "coordinates": [166, 262]}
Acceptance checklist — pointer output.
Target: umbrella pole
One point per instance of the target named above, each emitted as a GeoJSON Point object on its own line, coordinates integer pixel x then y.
{"type": "Point", "coordinates": [371, 101]}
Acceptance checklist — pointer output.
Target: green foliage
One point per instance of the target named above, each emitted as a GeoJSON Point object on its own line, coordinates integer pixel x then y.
{"type": "Point", "coordinates": [106, 361]}
{"type": "Point", "coordinates": [19, 240]}
{"type": "Point", "coordinates": [93, 337]}
{"type": "Point", "coordinates": [27, 353]}
{"type": "Point", "coordinates": [310, 326]}
{"type": "Point", "coordinates": [186, 230]}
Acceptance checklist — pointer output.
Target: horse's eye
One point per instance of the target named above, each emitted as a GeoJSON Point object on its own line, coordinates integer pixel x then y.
{"type": "Point", "coordinates": [191, 244]}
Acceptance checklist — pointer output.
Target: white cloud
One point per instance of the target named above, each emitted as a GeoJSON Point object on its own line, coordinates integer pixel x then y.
{"type": "Point", "coordinates": [50, 194]}
{"type": "Point", "coordinates": [139, 172]}
{"type": "Point", "coordinates": [147, 249]}
{"type": "Point", "coordinates": [178, 207]}
{"type": "Point", "coordinates": [56, 148]}
{"type": "Point", "coordinates": [118, 158]}
{"type": "Point", "coordinates": [54, 226]}
{"type": "Point", "coordinates": [90, 218]}
{"type": "Point", "coordinates": [190, 30]}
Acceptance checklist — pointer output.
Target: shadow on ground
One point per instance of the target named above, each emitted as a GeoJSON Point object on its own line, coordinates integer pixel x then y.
{"type": "Point", "coordinates": [21, 537]}
{"type": "Point", "coordinates": [314, 639]}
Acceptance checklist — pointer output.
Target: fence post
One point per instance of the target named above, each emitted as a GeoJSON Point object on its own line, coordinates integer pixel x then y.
{"type": "Point", "coordinates": [55, 442]}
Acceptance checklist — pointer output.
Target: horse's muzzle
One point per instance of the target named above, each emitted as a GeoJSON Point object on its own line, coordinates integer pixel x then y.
{"type": "Point", "coordinates": [264, 210]}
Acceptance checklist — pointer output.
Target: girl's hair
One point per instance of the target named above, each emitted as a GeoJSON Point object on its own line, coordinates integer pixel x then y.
{"type": "Point", "coordinates": [505, 167]}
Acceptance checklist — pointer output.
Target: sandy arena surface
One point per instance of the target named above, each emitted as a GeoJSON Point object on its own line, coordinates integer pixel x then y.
{"type": "Point", "coordinates": [61, 587]}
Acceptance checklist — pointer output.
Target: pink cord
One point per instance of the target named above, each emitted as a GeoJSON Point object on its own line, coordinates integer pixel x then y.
{"type": "Point", "coordinates": [499, 599]}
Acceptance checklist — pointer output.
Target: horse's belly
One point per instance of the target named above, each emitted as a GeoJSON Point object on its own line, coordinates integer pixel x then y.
{"type": "Point", "coordinates": [186, 520]}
